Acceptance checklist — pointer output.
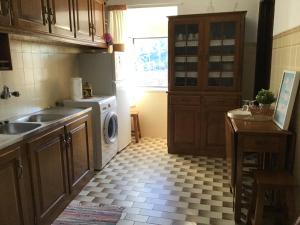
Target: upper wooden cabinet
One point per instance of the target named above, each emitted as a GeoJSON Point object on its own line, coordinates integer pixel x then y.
{"type": "Point", "coordinates": [5, 11]}
{"type": "Point", "coordinates": [30, 15]}
{"type": "Point", "coordinates": [89, 20]}
{"type": "Point", "coordinates": [205, 51]}
{"type": "Point", "coordinates": [83, 20]}
{"type": "Point", "coordinates": [61, 17]}
{"type": "Point", "coordinates": [98, 27]}
{"type": "Point", "coordinates": [75, 21]}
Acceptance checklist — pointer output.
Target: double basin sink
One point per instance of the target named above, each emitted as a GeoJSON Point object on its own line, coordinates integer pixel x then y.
{"type": "Point", "coordinates": [27, 123]}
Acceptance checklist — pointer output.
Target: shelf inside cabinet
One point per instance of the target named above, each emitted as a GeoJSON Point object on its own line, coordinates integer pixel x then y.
{"type": "Point", "coordinates": [5, 57]}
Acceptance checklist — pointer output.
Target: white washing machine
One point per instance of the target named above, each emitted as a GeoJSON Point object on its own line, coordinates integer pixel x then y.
{"type": "Point", "coordinates": [105, 127]}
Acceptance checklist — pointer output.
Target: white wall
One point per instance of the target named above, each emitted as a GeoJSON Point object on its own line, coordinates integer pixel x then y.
{"type": "Point", "coordinates": [287, 15]}
{"type": "Point", "coordinates": [152, 107]}
{"type": "Point", "coordinates": [207, 6]}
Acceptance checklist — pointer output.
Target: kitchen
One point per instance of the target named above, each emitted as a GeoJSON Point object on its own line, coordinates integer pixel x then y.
{"type": "Point", "coordinates": [43, 68]}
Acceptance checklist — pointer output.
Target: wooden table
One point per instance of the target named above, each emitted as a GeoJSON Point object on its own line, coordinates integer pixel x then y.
{"type": "Point", "coordinates": [244, 137]}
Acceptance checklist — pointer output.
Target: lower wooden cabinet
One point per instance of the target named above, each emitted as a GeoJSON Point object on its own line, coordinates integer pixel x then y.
{"type": "Point", "coordinates": [184, 124]}
{"type": "Point", "coordinates": [12, 195]}
{"type": "Point", "coordinates": [48, 159]}
{"type": "Point", "coordinates": [42, 174]}
{"type": "Point", "coordinates": [196, 123]}
{"type": "Point", "coordinates": [79, 147]}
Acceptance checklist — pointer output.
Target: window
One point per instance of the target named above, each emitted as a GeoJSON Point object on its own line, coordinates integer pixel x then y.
{"type": "Point", "coordinates": [151, 61]}
{"type": "Point", "coordinates": [149, 39]}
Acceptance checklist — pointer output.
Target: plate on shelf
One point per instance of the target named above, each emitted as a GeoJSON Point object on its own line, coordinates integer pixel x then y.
{"type": "Point", "coordinates": [214, 74]}
{"type": "Point", "coordinates": [191, 59]}
{"type": "Point", "coordinates": [227, 74]}
{"type": "Point", "coordinates": [180, 44]}
{"type": "Point", "coordinates": [229, 58]}
{"type": "Point", "coordinates": [215, 58]}
{"type": "Point", "coordinates": [192, 43]}
{"type": "Point", "coordinates": [229, 42]}
{"type": "Point", "coordinates": [179, 74]}
{"type": "Point", "coordinates": [192, 74]}
{"type": "Point", "coordinates": [215, 43]}
{"type": "Point", "coordinates": [180, 59]}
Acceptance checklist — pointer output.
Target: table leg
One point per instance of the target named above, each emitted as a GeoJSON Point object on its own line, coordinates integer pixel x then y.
{"type": "Point", "coordinates": [238, 185]}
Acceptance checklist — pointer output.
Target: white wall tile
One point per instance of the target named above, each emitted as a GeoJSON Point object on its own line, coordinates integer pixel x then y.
{"type": "Point", "coordinates": [41, 72]}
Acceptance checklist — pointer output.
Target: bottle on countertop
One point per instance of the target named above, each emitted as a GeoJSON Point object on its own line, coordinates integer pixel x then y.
{"type": "Point", "coordinates": [87, 90]}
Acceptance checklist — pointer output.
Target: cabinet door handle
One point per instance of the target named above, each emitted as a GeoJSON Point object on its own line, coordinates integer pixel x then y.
{"type": "Point", "coordinates": [20, 169]}
{"type": "Point", "coordinates": [45, 14]}
{"type": "Point", "coordinates": [94, 29]}
{"type": "Point", "coordinates": [51, 16]}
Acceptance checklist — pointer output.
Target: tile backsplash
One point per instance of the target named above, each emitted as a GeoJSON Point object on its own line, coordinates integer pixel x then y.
{"type": "Point", "coordinates": [41, 73]}
{"type": "Point", "coordinates": [286, 56]}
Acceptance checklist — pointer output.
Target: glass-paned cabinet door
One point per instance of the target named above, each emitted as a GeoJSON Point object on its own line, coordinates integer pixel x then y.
{"type": "Point", "coordinates": [186, 50]}
{"type": "Point", "coordinates": [222, 51]}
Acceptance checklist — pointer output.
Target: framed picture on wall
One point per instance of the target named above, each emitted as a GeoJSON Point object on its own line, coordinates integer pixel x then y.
{"type": "Point", "coordinates": [286, 98]}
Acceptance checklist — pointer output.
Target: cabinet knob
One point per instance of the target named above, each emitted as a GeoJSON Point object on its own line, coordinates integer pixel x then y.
{"type": "Point", "coordinates": [20, 169]}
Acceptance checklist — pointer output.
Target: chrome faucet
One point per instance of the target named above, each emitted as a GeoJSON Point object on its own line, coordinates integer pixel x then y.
{"type": "Point", "coordinates": [6, 93]}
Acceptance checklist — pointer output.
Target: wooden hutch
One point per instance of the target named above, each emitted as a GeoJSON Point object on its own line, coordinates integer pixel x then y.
{"type": "Point", "coordinates": [205, 70]}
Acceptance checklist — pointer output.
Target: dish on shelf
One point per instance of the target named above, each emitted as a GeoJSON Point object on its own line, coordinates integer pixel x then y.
{"type": "Point", "coordinates": [191, 59]}
{"type": "Point", "coordinates": [180, 59]}
{"type": "Point", "coordinates": [192, 43]}
{"type": "Point", "coordinates": [180, 44]}
{"type": "Point", "coordinates": [179, 74]}
{"type": "Point", "coordinates": [229, 42]}
{"type": "Point", "coordinates": [215, 43]}
{"type": "Point", "coordinates": [214, 74]}
{"type": "Point", "coordinates": [228, 58]}
{"type": "Point", "coordinates": [227, 74]}
{"type": "Point", "coordinates": [192, 74]}
{"type": "Point", "coordinates": [215, 58]}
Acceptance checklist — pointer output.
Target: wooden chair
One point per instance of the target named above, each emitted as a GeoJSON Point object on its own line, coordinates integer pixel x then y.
{"type": "Point", "coordinates": [270, 181]}
{"type": "Point", "coordinates": [136, 131]}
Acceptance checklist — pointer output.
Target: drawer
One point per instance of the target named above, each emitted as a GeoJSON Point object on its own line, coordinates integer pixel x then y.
{"type": "Point", "coordinates": [261, 143]}
{"type": "Point", "coordinates": [184, 100]}
{"type": "Point", "coordinates": [221, 100]}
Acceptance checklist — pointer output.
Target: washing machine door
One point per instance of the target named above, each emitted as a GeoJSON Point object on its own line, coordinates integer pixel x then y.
{"type": "Point", "coordinates": [110, 128]}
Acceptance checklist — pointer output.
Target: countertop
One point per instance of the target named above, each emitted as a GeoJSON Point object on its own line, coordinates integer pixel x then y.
{"type": "Point", "coordinates": [68, 113]}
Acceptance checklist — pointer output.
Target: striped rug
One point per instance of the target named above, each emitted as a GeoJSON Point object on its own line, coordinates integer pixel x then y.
{"type": "Point", "coordinates": [89, 214]}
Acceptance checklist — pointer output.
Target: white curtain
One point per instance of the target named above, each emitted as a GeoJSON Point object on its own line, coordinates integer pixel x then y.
{"type": "Point", "coordinates": [117, 25]}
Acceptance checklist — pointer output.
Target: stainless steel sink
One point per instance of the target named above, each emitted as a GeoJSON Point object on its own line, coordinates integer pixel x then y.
{"type": "Point", "coordinates": [42, 118]}
{"type": "Point", "coordinates": [17, 128]}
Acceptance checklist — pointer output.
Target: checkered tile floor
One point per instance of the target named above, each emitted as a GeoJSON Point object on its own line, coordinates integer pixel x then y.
{"type": "Point", "coordinates": [158, 188]}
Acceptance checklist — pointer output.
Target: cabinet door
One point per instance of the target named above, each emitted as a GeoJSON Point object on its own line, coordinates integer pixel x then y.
{"type": "Point", "coordinates": [5, 19]}
{"type": "Point", "coordinates": [49, 173]}
{"type": "Point", "coordinates": [98, 20]}
{"type": "Point", "coordinates": [183, 129]}
{"type": "Point", "coordinates": [79, 152]}
{"type": "Point", "coordinates": [62, 17]}
{"type": "Point", "coordinates": [11, 187]}
{"type": "Point", "coordinates": [213, 122]}
{"type": "Point", "coordinates": [223, 53]}
{"type": "Point", "coordinates": [185, 51]}
{"type": "Point", "coordinates": [30, 15]}
{"type": "Point", "coordinates": [213, 132]}
{"type": "Point", "coordinates": [83, 20]}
